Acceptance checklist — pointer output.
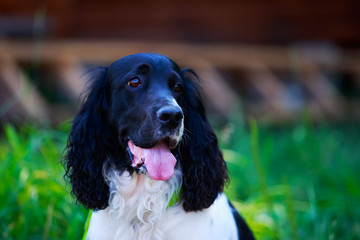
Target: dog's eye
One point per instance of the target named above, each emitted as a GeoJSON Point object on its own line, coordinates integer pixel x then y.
{"type": "Point", "coordinates": [135, 82]}
{"type": "Point", "coordinates": [178, 88]}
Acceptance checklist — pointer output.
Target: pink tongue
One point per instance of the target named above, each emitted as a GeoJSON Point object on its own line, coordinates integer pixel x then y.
{"type": "Point", "coordinates": [159, 161]}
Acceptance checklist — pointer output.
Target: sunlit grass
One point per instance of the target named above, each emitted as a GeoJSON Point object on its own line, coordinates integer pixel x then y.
{"type": "Point", "coordinates": [34, 203]}
{"type": "Point", "coordinates": [298, 182]}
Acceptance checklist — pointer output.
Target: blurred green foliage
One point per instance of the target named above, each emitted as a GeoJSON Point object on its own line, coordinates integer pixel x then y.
{"type": "Point", "coordinates": [294, 182]}
{"type": "Point", "coordinates": [35, 203]}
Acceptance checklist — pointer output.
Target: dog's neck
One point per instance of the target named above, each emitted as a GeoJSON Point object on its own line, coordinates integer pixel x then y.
{"type": "Point", "coordinates": [140, 202]}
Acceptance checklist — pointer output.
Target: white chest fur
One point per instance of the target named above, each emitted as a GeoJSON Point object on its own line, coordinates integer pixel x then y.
{"type": "Point", "coordinates": [138, 209]}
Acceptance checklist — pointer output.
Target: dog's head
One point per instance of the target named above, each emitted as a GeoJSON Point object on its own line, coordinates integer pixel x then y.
{"type": "Point", "coordinates": [143, 113]}
{"type": "Point", "coordinates": [146, 94]}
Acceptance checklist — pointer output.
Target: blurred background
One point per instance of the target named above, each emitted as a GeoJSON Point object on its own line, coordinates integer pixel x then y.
{"type": "Point", "coordinates": [281, 81]}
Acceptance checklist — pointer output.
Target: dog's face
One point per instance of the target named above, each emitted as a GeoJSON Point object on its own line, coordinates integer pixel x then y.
{"type": "Point", "coordinates": [146, 94]}
{"type": "Point", "coordinates": [133, 117]}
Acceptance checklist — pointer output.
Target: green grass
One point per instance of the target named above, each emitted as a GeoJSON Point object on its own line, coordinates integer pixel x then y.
{"type": "Point", "coordinates": [299, 182]}
{"type": "Point", "coordinates": [34, 202]}
{"type": "Point", "coordinates": [294, 182]}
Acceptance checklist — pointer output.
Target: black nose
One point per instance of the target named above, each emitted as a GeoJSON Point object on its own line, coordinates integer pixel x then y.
{"type": "Point", "coordinates": [170, 115]}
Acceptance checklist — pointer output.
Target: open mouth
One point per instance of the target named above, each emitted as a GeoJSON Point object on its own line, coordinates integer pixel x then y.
{"type": "Point", "coordinates": [157, 161]}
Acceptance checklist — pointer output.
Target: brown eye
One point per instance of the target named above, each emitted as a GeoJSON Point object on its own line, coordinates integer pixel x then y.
{"type": "Point", "coordinates": [135, 82]}
{"type": "Point", "coordinates": [178, 88]}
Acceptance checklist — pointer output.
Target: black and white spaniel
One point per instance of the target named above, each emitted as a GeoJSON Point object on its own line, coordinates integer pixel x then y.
{"type": "Point", "coordinates": [142, 154]}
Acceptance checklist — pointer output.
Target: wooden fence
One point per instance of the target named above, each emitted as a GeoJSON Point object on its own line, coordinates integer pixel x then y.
{"type": "Point", "coordinates": [43, 80]}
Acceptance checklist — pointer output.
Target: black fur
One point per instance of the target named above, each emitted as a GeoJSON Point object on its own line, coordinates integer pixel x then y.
{"type": "Point", "coordinates": [244, 231]}
{"type": "Point", "coordinates": [112, 113]}
{"type": "Point", "coordinates": [204, 169]}
{"type": "Point", "coordinates": [91, 142]}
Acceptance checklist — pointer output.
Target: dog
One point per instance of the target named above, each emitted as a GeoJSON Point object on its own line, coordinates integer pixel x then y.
{"type": "Point", "coordinates": [142, 154]}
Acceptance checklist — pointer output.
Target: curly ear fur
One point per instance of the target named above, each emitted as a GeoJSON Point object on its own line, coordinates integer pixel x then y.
{"type": "Point", "coordinates": [88, 146]}
{"type": "Point", "coordinates": [204, 169]}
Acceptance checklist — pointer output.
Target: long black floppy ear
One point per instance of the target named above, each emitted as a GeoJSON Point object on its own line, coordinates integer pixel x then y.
{"type": "Point", "coordinates": [204, 169]}
{"type": "Point", "coordinates": [88, 146]}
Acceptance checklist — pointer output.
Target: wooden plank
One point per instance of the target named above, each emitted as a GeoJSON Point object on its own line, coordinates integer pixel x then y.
{"type": "Point", "coordinates": [71, 77]}
{"type": "Point", "coordinates": [27, 100]}
{"type": "Point", "coordinates": [221, 96]}
{"type": "Point", "coordinates": [237, 56]}
{"type": "Point", "coordinates": [276, 21]}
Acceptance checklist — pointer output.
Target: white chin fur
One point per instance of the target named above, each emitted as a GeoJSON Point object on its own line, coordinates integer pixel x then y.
{"type": "Point", "coordinates": [175, 139]}
{"type": "Point", "coordinates": [137, 202]}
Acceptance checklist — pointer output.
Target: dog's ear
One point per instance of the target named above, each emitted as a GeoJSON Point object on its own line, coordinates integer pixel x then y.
{"type": "Point", "coordinates": [204, 169]}
{"type": "Point", "coordinates": [88, 145]}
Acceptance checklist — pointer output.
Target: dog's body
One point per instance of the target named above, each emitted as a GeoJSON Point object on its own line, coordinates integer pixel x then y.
{"type": "Point", "coordinates": [140, 140]}
{"type": "Point", "coordinates": [144, 214]}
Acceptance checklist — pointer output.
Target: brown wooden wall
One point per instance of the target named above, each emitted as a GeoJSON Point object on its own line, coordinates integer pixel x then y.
{"type": "Point", "coordinates": [259, 21]}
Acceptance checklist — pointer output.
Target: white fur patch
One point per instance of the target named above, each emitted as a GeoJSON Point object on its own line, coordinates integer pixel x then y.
{"type": "Point", "coordinates": [136, 205]}
{"type": "Point", "coordinates": [138, 210]}
{"type": "Point", "coordinates": [178, 135]}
